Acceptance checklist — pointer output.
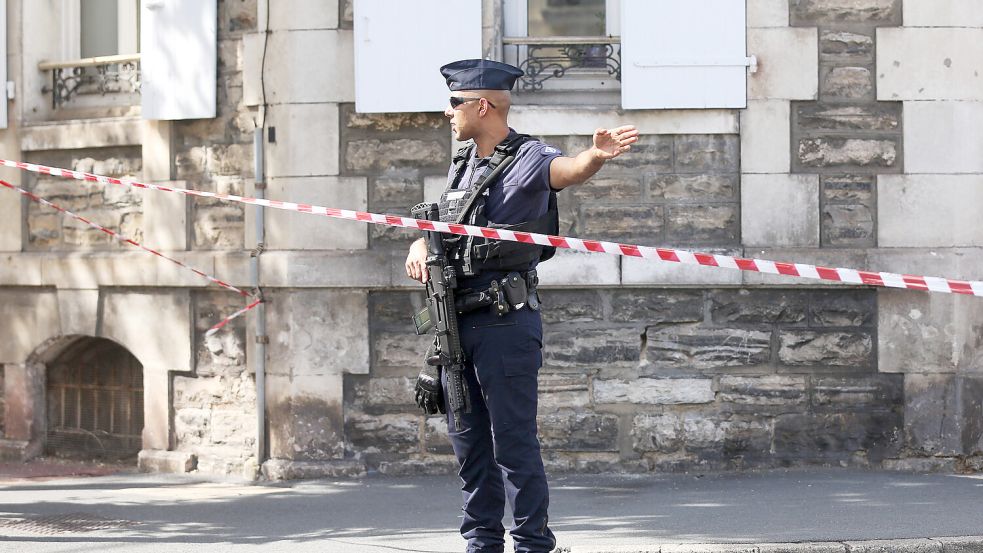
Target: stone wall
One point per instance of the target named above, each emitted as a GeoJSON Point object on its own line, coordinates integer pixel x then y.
{"type": "Point", "coordinates": [395, 153]}
{"type": "Point", "coordinates": [3, 406]}
{"type": "Point", "coordinates": [846, 135]}
{"type": "Point", "coordinates": [208, 409]}
{"type": "Point", "coordinates": [117, 208]}
{"type": "Point", "coordinates": [215, 407]}
{"type": "Point", "coordinates": [671, 189]}
{"type": "Point", "coordinates": [216, 154]}
{"type": "Point", "coordinates": [858, 148]}
{"type": "Point", "coordinates": [382, 419]}
{"type": "Point", "coordinates": [657, 379]}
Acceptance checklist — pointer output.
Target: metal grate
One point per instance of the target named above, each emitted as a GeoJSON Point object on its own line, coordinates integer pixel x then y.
{"type": "Point", "coordinates": [99, 75]}
{"type": "Point", "coordinates": [62, 524]}
{"type": "Point", "coordinates": [545, 58]}
{"type": "Point", "coordinates": [95, 402]}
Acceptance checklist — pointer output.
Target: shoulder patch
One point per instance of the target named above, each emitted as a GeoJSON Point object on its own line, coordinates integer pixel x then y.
{"type": "Point", "coordinates": [549, 150]}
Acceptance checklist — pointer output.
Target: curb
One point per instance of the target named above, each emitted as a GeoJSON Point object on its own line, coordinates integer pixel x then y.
{"type": "Point", "coordinates": [961, 544]}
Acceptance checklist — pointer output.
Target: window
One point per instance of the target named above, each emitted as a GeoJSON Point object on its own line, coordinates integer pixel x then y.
{"type": "Point", "coordinates": [639, 54]}
{"type": "Point", "coordinates": [96, 28]}
{"type": "Point", "coordinates": [661, 54]}
{"type": "Point", "coordinates": [94, 402]}
{"type": "Point", "coordinates": [99, 54]}
{"type": "Point", "coordinates": [566, 17]}
{"type": "Point", "coordinates": [564, 44]}
{"type": "Point", "coordinates": [100, 18]}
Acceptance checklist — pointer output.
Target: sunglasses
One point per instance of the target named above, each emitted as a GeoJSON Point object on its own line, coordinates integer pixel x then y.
{"type": "Point", "coordinates": [457, 101]}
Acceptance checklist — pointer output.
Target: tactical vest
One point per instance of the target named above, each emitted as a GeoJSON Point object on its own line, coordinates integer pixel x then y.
{"type": "Point", "coordinates": [470, 255]}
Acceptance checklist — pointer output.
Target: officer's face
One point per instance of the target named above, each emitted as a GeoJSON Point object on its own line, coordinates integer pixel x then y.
{"type": "Point", "coordinates": [462, 110]}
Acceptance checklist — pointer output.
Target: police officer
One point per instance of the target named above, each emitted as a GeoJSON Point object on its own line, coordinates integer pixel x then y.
{"type": "Point", "coordinates": [497, 445]}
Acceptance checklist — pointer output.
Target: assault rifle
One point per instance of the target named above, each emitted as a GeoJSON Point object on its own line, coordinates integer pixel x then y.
{"type": "Point", "coordinates": [441, 316]}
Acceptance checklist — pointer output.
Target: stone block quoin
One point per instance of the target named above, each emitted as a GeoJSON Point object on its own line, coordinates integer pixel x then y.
{"type": "Point", "coordinates": [846, 135]}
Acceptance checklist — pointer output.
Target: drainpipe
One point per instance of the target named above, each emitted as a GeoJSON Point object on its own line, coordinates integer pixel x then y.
{"type": "Point", "coordinates": [261, 337]}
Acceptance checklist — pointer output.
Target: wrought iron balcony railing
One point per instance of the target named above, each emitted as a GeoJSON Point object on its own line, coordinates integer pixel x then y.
{"type": "Point", "coordinates": [101, 75]}
{"type": "Point", "coordinates": [544, 58]}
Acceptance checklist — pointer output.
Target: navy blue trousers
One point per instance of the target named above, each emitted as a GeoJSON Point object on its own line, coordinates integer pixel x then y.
{"type": "Point", "coordinates": [497, 446]}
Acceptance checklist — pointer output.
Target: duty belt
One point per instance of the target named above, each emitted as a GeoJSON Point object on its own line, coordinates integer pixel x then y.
{"type": "Point", "coordinates": [511, 293]}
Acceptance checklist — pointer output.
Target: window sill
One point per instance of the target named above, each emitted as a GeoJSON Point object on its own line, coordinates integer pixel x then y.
{"type": "Point", "coordinates": [77, 134]}
{"type": "Point", "coordinates": [584, 97]}
{"type": "Point", "coordinates": [582, 120]}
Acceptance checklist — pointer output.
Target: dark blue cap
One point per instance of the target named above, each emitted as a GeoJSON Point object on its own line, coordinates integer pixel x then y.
{"type": "Point", "coordinates": [480, 75]}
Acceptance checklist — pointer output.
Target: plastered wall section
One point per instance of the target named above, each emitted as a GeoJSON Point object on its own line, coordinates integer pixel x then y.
{"type": "Point", "coordinates": [778, 209]}
{"type": "Point", "coordinates": [317, 336]}
{"type": "Point", "coordinates": [303, 163]}
{"type": "Point", "coordinates": [10, 202]}
{"type": "Point", "coordinates": [928, 219]}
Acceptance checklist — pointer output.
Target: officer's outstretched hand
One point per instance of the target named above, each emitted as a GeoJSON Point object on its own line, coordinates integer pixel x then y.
{"type": "Point", "coordinates": [611, 143]}
{"type": "Point", "coordinates": [416, 261]}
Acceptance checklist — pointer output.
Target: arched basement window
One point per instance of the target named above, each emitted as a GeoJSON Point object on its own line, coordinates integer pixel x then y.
{"type": "Point", "coordinates": [95, 402]}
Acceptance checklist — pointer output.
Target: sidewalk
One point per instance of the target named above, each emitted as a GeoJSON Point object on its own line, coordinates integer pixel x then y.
{"type": "Point", "coordinates": [806, 510]}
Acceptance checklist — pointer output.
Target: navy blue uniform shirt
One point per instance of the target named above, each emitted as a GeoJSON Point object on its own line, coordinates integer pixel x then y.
{"type": "Point", "coordinates": [521, 193]}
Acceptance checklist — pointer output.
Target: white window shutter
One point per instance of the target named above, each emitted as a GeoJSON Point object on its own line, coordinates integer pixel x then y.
{"type": "Point", "coordinates": [3, 64]}
{"type": "Point", "coordinates": [679, 55]}
{"type": "Point", "coordinates": [400, 46]}
{"type": "Point", "coordinates": [178, 58]}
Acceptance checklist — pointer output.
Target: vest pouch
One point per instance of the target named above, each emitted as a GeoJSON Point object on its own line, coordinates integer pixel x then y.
{"type": "Point", "coordinates": [508, 255]}
{"type": "Point", "coordinates": [452, 244]}
{"type": "Point", "coordinates": [505, 255]}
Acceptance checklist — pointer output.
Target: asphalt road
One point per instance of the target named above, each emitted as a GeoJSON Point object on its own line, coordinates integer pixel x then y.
{"type": "Point", "coordinates": [166, 513]}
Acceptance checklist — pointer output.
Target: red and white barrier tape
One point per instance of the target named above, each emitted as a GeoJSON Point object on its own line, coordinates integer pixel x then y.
{"type": "Point", "coordinates": [215, 328]}
{"type": "Point", "coordinates": [852, 276]}
{"type": "Point", "coordinates": [132, 242]}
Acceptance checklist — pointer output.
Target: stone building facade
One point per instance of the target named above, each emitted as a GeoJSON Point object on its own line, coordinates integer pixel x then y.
{"type": "Point", "coordinates": [858, 148]}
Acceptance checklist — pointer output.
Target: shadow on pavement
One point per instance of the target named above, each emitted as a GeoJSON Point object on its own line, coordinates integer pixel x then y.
{"type": "Point", "coordinates": [413, 514]}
